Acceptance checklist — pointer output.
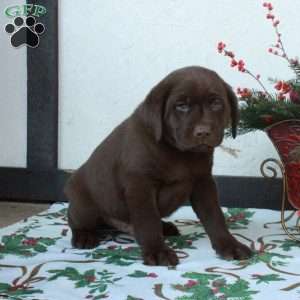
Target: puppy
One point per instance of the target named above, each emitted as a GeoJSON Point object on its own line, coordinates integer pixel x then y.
{"type": "Point", "coordinates": [154, 161]}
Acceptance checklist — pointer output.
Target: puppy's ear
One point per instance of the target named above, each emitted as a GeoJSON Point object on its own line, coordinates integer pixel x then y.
{"type": "Point", "coordinates": [234, 110]}
{"type": "Point", "coordinates": [151, 111]}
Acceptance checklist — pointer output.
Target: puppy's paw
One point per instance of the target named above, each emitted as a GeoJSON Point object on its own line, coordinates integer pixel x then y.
{"type": "Point", "coordinates": [164, 257]}
{"type": "Point", "coordinates": [232, 249]}
{"type": "Point", "coordinates": [169, 229]}
{"type": "Point", "coordinates": [83, 239]}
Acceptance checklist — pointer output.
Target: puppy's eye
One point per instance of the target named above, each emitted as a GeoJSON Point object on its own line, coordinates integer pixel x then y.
{"type": "Point", "coordinates": [182, 107]}
{"type": "Point", "coordinates": [216, 104]}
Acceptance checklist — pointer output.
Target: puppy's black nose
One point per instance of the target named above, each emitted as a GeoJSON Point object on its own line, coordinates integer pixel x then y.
{"type": "Point", "coordinates": [202, 131]}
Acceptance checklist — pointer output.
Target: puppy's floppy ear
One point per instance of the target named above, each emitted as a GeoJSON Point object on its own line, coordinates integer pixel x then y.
{"type": "Point", "coordinates": [234, 110]}
{"type": "Point", "coordinates": [151, 110]}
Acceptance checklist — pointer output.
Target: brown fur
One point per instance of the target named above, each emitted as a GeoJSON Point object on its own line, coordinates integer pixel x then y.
{"type": "Point", "coordinates": [154, 161]}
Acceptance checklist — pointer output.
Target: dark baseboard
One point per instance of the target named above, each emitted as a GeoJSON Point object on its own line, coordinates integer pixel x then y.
{"type": "Point", "coordinates": [17, 184]}
{"type": "Point", "coordinates": [20, 184]}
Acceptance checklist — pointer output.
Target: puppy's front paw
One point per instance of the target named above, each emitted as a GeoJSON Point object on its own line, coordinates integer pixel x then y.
{"type": "Point", "coordinates": [83, 239]}
{"type": "Point", "coordinates": [232, 249]}
{"type": "Point", "coordinates": [164, 257]}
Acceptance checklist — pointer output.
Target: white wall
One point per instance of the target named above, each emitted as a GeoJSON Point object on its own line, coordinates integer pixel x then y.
{"type": "Point", "coordinates": [112, 52]}
{"type": "Point", "coordinates": [13, 103]}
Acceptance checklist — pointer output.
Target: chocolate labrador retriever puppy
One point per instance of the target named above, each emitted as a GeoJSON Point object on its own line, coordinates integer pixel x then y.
{"type": "Point", "coordinates": [154, 161]}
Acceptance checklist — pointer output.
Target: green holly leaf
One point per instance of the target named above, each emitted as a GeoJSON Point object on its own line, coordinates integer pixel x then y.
{"type": "Point", "coordinates": [48, 241]}
{"type": "Point", "coordinates": [102, 288]}
{"type": "Point", "coordinates": [19, 293]}
{"type": "Point", "coordinates": [117, 256]}
{"type": "Point", "coordinates": [89, 273]}
{"type": "Point", "coordinates": [287, 244]}
{"type": "Point", "coordinates": [239, 289]}
{"type": "Point", "coordinates": [12, 242]}
{"type": "Point", "coordinates": [138, 274]}
{"type": "Point", "coordinates": [238, 218]}
{"type": "Point", "coordinates": [81, 283]}
{"type": "Point", "coordinates": [70, 273]}
{"type": "Point", "coordinates": [40, 248]}
{"type": "Point", "coordinates": [133, 298]}
{"type": "Point", "coordinates": [267, 278]}
{"type": "Point", "coordinates": [4, 287]}
{"type": "Point", "coordinates": [184, 241]}
{"type": "Point", "coordinates": [202, 278]}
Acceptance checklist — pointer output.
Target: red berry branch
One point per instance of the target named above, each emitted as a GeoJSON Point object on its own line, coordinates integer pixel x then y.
{"type": "Point", "coordinates": [278, 49]}
{"type": "Point", "coordinates": [262, 108]}
{"type": "Point", "coordinates": [240, 65]}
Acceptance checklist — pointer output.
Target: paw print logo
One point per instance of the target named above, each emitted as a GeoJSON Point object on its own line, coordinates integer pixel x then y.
{"type": "Point", "coordinates": [25, 32]}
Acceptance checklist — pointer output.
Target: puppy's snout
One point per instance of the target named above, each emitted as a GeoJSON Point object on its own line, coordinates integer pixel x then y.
{"type": "Point", "coordinates": [202, 131]}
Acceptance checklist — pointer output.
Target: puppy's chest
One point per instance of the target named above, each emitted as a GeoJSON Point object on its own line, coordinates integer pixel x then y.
{"type": "Point", "coordinates": [172, 195]}
{"type": "Point", "coordinates": [176, 185]}
{"type": "Point", "coordinates": [177, 180]}
{"type": "Point", "coordinates": [172, 171]}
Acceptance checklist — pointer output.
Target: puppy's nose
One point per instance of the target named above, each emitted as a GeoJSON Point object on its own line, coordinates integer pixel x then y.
{"type": "Point", "coordinates": [202, 131]}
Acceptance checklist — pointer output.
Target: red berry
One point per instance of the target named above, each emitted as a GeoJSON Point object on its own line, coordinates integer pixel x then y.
{"type": "Point", "coordinates": [233, 63]}
{"type": "Point", "coordinates": [285, 87]}
{"type": "Point", "coordinates": [278, 85]}
{"type": "Point", "coordinates": [268, 119]}
{"type": "Point", "coordinates": [221, 46]}
{"type": "Point", "coordinates": [90, 278]}
{"type": "Point", "coordinates": [191, 283]}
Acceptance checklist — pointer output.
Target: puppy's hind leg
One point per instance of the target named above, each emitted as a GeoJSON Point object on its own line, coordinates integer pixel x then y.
{"type": "Point", "coordinates": [83, 218]}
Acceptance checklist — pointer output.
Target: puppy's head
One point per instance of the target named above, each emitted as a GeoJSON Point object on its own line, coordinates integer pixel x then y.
{"type": "Point", "coordinates": [190, 109]}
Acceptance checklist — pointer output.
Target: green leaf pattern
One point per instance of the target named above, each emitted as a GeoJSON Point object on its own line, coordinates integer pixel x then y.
{"type": "Point", "coordinates": [36, 257]}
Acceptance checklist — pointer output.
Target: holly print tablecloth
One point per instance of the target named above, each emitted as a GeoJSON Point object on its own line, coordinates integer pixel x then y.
{"type": "Point", "coordinates": [38, 262]}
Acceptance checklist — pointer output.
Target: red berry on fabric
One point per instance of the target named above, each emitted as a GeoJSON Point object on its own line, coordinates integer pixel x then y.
{"type": "Point", "coordinates": [191, 283]}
